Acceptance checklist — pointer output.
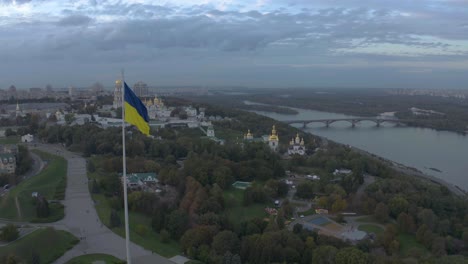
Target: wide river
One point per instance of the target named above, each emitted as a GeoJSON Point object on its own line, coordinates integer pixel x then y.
{"type": "Point", "coordinates": [419, 148]}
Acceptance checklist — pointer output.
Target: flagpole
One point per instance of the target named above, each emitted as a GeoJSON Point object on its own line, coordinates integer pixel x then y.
{"type": "Point", "coordinates": [124, 173]}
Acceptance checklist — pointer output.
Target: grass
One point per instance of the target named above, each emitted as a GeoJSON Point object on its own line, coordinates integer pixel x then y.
{"type": "Point", "coordinates": [408, 242]}
{"type": "Point", "coordinates": [49, 244]}
{"type": "Point", "coordinates": [10, 140]}
{"type": "Point", "coordinates": [368, 228]}
{"type": "Point", "coordinates": [150, 240]}
{"type": "Point", "coordinates": [311, 211]}
{"type": "Point", "coordinates": [90, 258]}
{"type": "Point", "coordinates": [49, 183]}
{"type": "Point", "coordinates": [367, 219]}
{"type": "Point", "coordinates": [236, 212]}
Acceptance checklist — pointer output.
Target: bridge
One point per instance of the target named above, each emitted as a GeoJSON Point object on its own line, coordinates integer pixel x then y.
{"type": "Point", "coordinates": [353, 121]}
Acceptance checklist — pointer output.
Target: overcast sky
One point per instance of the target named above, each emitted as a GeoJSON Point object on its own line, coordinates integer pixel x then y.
{"type": "Point", "coordinates": [254, 43]}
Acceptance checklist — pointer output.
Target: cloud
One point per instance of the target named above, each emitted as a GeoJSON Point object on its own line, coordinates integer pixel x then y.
{"type": "Point", "coordinates": [74, 20]}
{"type": "Point", "coordinates": [300, 33]}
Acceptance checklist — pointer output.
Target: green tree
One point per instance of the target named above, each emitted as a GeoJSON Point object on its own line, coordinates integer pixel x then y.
{"type": "Point", "coordinates": [398, 205]}
{"type": "Point", "coordinates": [35, 258]}
{"type": "Point", "coordinates": [177, 223]}
{"type": "Point", "coordinates": [9, 233]}
{"type": "Point", "coordinates": [405, 223]}
{"type": "Point", "coordinates": [306, 190]}
{"type": "Point", "coordinates": [381, 212]}
{"type": "Point", "coordinates": [351, 255]}
{"type": "Point", "coordinates": [42, 207]}
{"type": "Point", "coordinates": [427, 217]}
{"type": "Point", "coordinates": [165, 236]}
{"type": "Point", "coordinates": [114, 219]}
{"type": "Point", "coordinates": [226, 241]}
{"type": "Point", "coordinates": [324, 255]}
{"type": "Point", "coordinates": [438, 247]}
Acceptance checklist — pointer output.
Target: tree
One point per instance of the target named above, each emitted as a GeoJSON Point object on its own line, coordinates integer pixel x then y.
{"type": "Point", "coordinates": [35, 258]}
{"type": "Point", "coordinates": [9, 233]}
{"type": "Point", "coordinates": [177, 223]}
{"type": "Point", "coordinates": [195, 238]}
{"type": "Point", "coordinates": [405, 223]}
{"type": "Point", "coordinates": [381, 212]}
{"type": "Point", "coordinates": [398, 205]}
{"type": "Point", "coordinates": [324, 255]}
{"type": "Point", "coordinates": [305, 190]}
{"type": "Point", "coordinates": [297, 228]}
{"type": "Point", "coordinates": [226, 241]}
{"type": "Point", "coordinates": [427, 217]}
{"type": "Point", "coordinates": [438, 247]}
{"type": "Point", "coordinates": [350, 255]}
{"type": "Point", "coordinates": [114, 219]}
{"type": "Point", "coordinates": [95, 187]}
{"type": "Point", "coordinates": [42, 207]}
{"type": "Point", "coordinates": [223, 177]}
{"type": "Point", "coordinates": [165, 236]}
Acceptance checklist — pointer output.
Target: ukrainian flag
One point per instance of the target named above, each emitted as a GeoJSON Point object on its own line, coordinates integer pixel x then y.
{"type": "Point", "coordinates": [135, 111]}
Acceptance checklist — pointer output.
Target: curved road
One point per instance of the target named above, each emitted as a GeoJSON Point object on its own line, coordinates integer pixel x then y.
{"type": "Point", "coordinates": [82, 220]}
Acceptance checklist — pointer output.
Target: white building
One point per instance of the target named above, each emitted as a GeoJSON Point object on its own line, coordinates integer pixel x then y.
{"type": "Point", "coordinates": [296, 146]}
{"type": "Point", "coordinates": [27, 138]}
{"type": "Point", "coordinates": [210, 132]}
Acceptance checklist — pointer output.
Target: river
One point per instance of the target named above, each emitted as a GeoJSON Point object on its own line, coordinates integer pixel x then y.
{"type": "Point", "coordinates": [427, 150]}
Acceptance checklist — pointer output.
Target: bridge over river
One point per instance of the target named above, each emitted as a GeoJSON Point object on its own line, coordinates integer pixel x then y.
{"type": "Point", "coordinates": [352, 121]}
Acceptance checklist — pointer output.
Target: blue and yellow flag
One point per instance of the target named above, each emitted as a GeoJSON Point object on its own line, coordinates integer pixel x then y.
{"type": "Point", "coordinates": [135, 111]}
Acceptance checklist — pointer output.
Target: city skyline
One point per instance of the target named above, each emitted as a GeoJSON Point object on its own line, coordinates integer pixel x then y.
{"type": "Point", "coordinates": [394, 44]}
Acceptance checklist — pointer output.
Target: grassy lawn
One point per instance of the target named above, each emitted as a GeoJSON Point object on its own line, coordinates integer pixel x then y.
{"type": "Point", "coordinates": [51, 183]}
{"type": "Point", "coordinates": [311, 211]}
{"type": "Point", "coordinates": [371, 229]}
{"type": "Point", "coordinates": [10, 140]}
{"type": "Point", "coordinates": [366, 219]}
{"type": "Point", "coordinates": [236, 212]}
{"type": "Point", "coordinates": [408, 242]}
{"type": "Point", "coordinates": [87, 259]}
{"type": "Point", "coordinates": [49, 244]}
{"type": "Point", "coordinates": [150, 240]}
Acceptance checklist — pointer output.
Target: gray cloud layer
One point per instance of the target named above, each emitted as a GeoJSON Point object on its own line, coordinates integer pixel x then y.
{"type": "Point", "coordinates": [294, 40]}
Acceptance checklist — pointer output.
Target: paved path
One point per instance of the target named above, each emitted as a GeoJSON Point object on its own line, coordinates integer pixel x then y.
{"type": "Point", "coordinates": [82, 220]}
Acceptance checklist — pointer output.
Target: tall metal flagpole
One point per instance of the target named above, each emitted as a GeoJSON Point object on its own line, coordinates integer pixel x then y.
{"type": "Point", "coordinates": [124, 174]}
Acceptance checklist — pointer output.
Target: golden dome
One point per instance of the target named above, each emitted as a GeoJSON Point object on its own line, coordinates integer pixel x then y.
{"type": "Point", "coordinates": [118, 82]}
{"type": "Point", "coordinates": [273, 136]}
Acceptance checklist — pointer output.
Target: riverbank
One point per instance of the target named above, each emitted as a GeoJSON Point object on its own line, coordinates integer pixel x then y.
{"type": "Point", "coordinates": [413, 172]}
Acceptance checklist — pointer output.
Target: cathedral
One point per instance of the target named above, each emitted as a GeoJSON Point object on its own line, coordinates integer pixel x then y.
{"type": "Point", "coordinates": [273, 139]}
{"type": "Point", "coordinates": [296, 146]}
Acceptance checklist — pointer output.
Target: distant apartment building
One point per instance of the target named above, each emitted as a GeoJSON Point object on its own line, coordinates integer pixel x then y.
{"type": "Point", "coordinates": [117, 94]}
{"type": "Point", "coordinates": [140, 89]}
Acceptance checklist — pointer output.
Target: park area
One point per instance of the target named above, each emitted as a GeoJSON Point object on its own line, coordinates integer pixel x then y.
{"type": "Point", "coordinates": [44, 245]}
{"type": "Point", "coordinates": [238, 213]}
{"type": "Point", "coordinates": [19, 205]}
{"type": "Point", "coordinates": [95, 258]}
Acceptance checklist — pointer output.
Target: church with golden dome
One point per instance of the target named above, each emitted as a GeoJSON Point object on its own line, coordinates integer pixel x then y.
{"type": "Point", "coordinates": [273, 139]}
{"type": "Point", "coordinates": [297, 146]}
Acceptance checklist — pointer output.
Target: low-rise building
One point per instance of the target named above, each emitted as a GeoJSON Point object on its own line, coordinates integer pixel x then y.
{"type": "Point", "coordinates": [7, 163]}
{"type": "Point", "coordinates": [141, 180]}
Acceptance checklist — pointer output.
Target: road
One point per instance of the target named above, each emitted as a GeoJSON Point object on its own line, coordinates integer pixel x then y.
{"type": "Point", "coordinates": [82, 221]}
